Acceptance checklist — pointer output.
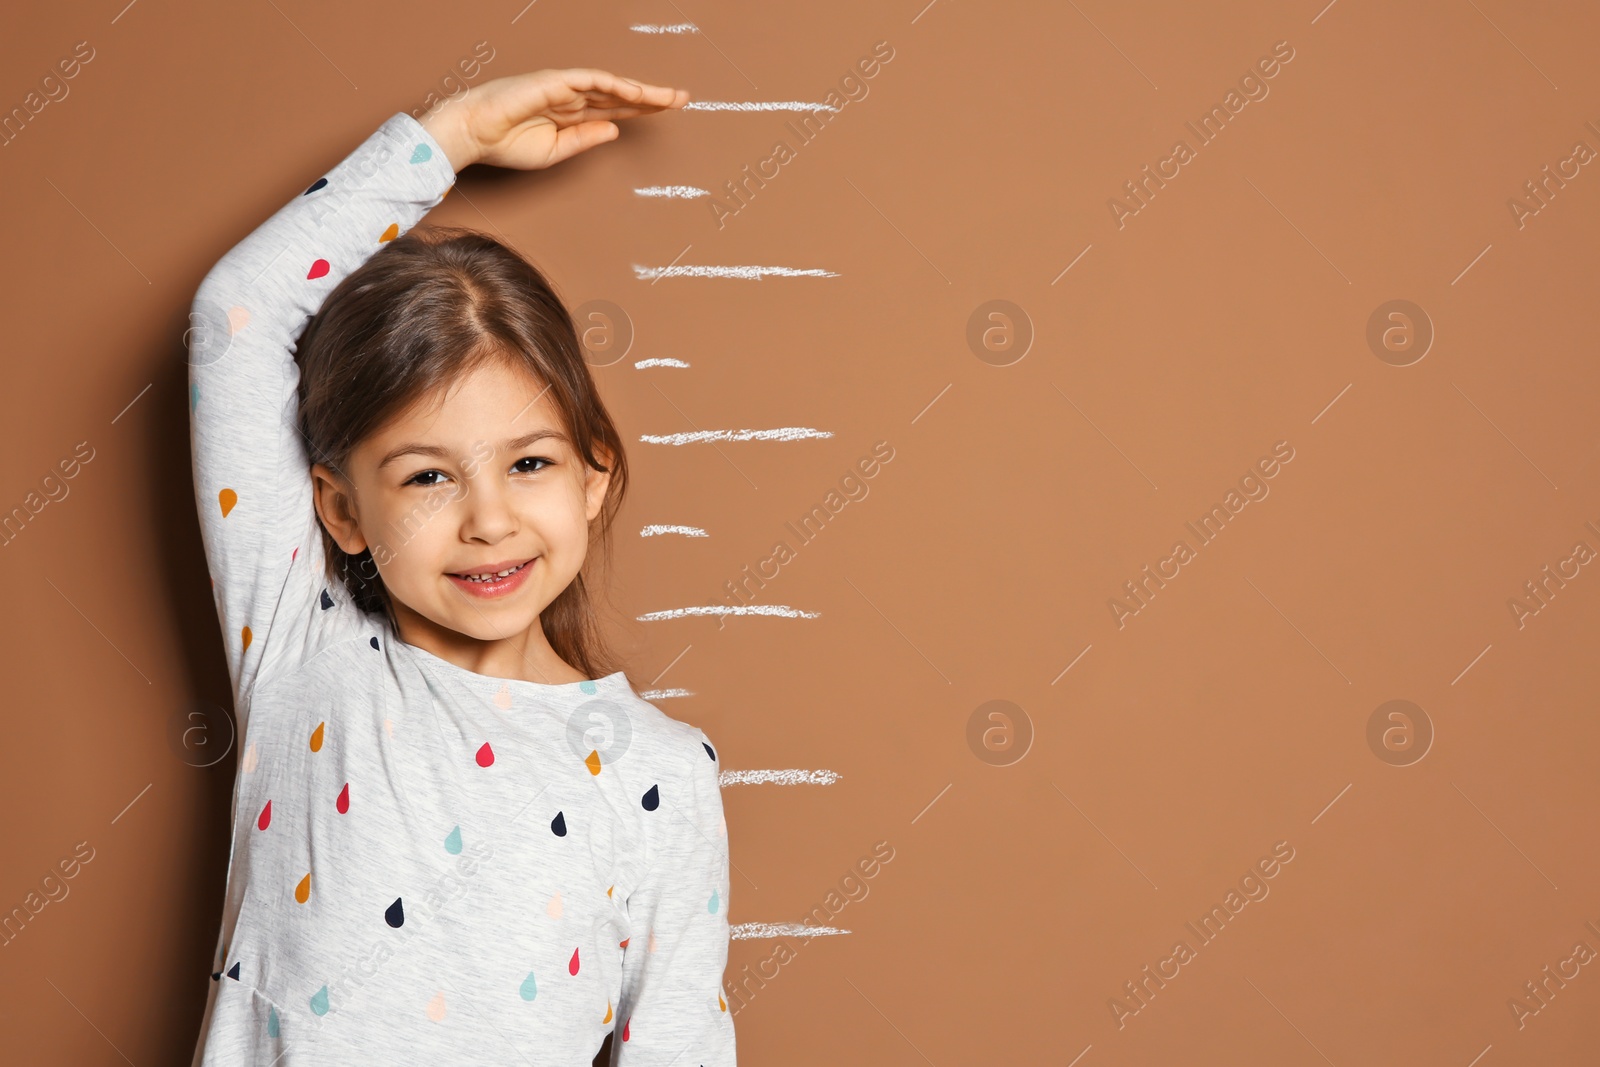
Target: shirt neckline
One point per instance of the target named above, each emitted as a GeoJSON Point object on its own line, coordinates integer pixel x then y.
{"type": "Point", "coordinates": [443, 667]}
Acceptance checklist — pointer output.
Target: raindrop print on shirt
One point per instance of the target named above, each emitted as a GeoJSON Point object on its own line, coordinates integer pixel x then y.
{"type": "Point", "coordinates": [529, 988]}
{"type": "Point", "coordinates": [343, 801]}
{"type": "Point", "coordinates": [395, 914]}
{"type": "Point", "coordinates": [485, 755]}
{"type": "Point", "coordinates": [452, 842]}
{"type": "Point", "coordinates": [316, 737]}
{"type": "Point", "coordinates": [226, 500]}
{"type": "Point", "coordinates": [651, 799]}
{"type": "Point", "coordinates": [558, 825]}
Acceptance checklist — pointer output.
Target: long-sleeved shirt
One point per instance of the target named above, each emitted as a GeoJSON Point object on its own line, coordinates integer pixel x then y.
{"type": "Point", "coordinates": [428, 865]}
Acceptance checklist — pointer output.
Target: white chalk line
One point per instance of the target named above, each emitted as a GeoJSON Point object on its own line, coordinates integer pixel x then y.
{"type": "Point", "coordinates": [755, 105]}
{"type": "Point", "coordinates": [664, 694]}
{"type": "Point", "coordinates": [671, 27]}
{"type": "Point", "coordinates": [782, 610]}
{"type": "Point", "coordinates": [657, 529]}
{"type": "Point", "coordinates": [781, 433]}
{"type": "Point", "coordinates": [673, 192]}
{"type": "Point", "coordinates": [747, 931]}
{"type": "Point", "coordinates": [748, 273]}
{"type": "Point", "coordinates": [659, 362]}
{"type": "Point", "coordinates": [786, 776]}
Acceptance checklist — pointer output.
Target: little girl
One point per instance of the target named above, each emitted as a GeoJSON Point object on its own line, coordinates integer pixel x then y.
{"type": "Point", "coordinates": [456, 838]}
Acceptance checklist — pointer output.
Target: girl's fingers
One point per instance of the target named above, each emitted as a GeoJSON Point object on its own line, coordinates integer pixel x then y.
{"type": "Point", "coordinates": [571, 140]}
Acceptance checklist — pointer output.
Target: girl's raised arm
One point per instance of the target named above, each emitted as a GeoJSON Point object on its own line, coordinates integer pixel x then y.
{"type": "Point", "coordinates": [262, 538]}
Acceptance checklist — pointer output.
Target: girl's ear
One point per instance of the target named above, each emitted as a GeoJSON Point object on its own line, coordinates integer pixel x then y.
{"type": "Point", "coordinates": [335, 502]}
{"type": "Point", "coordinates": [596, 483]}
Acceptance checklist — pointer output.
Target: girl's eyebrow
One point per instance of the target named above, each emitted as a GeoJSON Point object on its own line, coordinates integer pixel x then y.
{"type": "Point", "coordinates": [440, 452]}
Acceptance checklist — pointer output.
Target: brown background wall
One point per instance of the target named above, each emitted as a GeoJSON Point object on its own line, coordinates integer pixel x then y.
{"type": "Point", "coordinates": [1160, 758]}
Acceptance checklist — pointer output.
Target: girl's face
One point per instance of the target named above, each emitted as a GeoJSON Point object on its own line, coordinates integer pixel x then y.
{"type": "Point", "coordinates": [457, 491]}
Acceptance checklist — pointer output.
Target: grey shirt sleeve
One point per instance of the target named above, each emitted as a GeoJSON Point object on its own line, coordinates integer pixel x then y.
{"type": "Point", "coordinates": [672, 998]}
{"type": "Point", "coordinates": [263, 541]}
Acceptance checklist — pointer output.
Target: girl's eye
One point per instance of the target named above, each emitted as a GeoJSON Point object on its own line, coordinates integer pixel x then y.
{"type": "Point", "coordinates": [424, 478]}
{"type": "Point", "coordinates": [520, 465]}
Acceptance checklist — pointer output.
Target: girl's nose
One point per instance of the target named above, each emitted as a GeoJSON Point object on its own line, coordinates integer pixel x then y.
{"type": "Point", "coordinates": [488, 517]}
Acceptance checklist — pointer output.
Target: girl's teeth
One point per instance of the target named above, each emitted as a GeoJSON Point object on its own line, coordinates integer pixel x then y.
{"type": "Point", "coordinates": [487, 577]}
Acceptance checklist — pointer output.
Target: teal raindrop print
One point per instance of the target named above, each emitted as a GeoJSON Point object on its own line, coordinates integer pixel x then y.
{"type": "Point", "coordinates": [530, 988]}
{"type": "Point", "coordinates": [319, 1001]}
{"type": "Point", "coordinates": [711, 906]}
{"type": "Point", "coordinates": [421, 154]}
{"type": "Point", "coordinates": [194, 396]}
{"type": "Point", "coordinates": [587, 687]}
{"type": "Point", "coordinates": [272, 1022]}
{"type": "Point", "coordinates": [452, 842]}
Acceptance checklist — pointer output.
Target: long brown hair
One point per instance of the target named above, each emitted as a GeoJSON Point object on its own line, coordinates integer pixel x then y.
{"type": "Point", "coordinates": [428, 307]}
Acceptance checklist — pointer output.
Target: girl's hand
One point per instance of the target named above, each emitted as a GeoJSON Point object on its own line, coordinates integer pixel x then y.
{"type": "Point", "coordinates": [531, 121]}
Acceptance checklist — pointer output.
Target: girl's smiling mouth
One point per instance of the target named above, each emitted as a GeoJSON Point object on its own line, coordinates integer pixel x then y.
{"type": "Point", "coordinates": [493, 579]}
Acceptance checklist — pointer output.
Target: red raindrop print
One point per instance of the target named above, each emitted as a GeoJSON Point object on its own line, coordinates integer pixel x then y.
{"type": "Point", "coordinates": [318, 269]}
{"type": "Point", "coordinates": [266, 817]}
{"type": "Point", "coordinates": [625, 1028]}
{"type": "Point", "coordinates": [343, 803]}
{"type": "Point", "coordinates": [485, 755]}
{"type": "Point", "coordinates": [572, 967]}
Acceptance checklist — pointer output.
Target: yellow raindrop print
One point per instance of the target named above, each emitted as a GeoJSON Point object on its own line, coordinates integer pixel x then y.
{"type": "Point", "coordinates": [593, 762]}
{"type": "Point", "coordinates": [302, 892]}
{"type": "Point", "coordinates": [316, 737]}
{"type": "Point", "coordinates": [226, 500]}
{"type": "Point", "coordinates": [244, 635]}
